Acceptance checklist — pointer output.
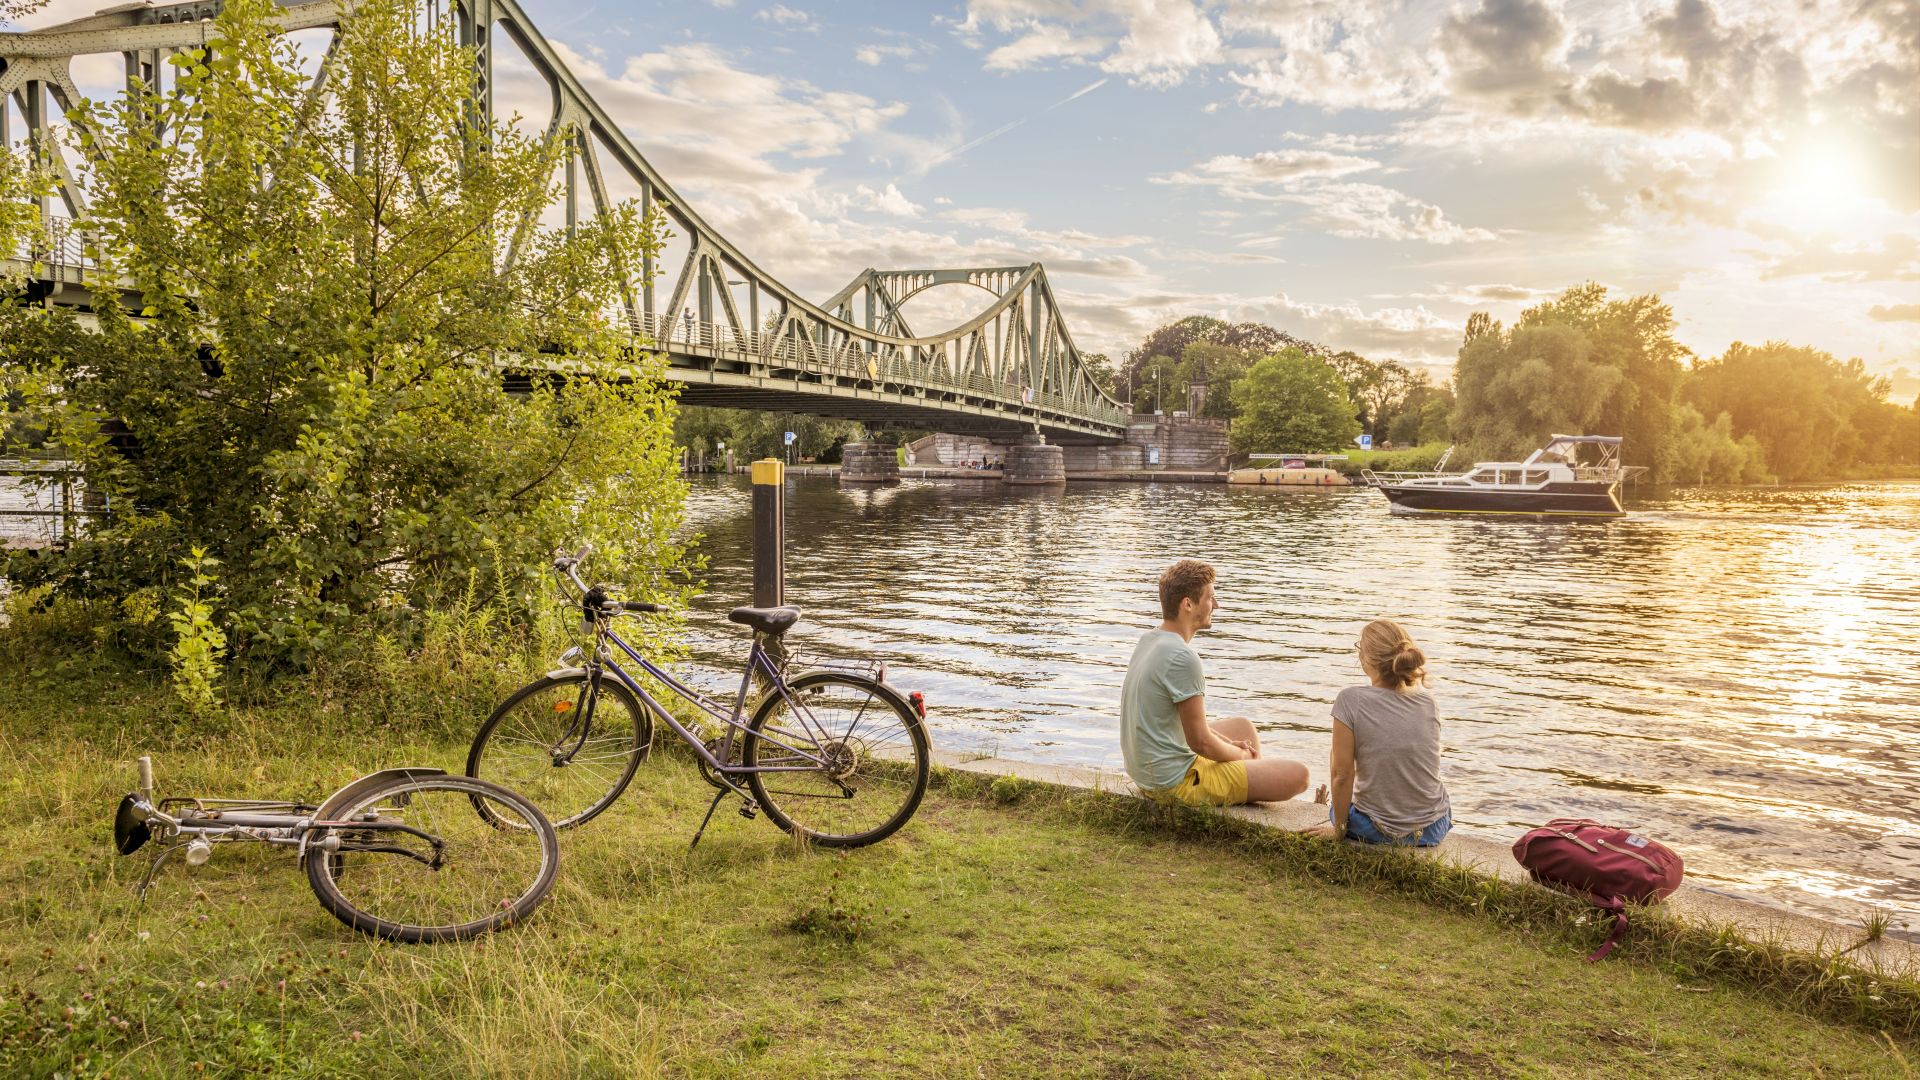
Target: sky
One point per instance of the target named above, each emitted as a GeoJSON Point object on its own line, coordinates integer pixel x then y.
{"type": "Point", "coordinates": [1362, 174]}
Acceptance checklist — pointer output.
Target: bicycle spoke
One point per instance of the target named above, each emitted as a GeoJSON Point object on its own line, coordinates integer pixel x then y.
{"type": "Point", "coordinates": [865, 765]}
{"type": "Point", "coordinates": [537, 744]}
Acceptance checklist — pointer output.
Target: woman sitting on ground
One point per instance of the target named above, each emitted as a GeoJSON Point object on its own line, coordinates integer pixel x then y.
{"type": "Point", "coordinates": [1386, 748]}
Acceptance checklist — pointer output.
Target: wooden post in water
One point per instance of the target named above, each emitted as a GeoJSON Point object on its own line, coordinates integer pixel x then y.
{"type": "Point", "coordinates": [769, 532]}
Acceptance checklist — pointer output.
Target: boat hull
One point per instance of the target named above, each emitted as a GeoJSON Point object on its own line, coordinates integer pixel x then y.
{"type": "Point", "coordinates": [1553, 500]}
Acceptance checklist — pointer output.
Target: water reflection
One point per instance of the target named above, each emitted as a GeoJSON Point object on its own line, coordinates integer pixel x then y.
{"type": "Point", "coordinates": [1732, 671]}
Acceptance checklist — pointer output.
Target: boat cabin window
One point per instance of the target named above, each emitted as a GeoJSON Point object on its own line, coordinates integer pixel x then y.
{"type": "Point", "coordinates": [1534, 476]}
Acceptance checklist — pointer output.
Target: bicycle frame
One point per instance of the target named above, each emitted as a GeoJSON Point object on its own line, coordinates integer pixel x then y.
{"type": "Point", "coordinates": [734, 718]}
{"type": "Point", "coordinates": [194, 824]}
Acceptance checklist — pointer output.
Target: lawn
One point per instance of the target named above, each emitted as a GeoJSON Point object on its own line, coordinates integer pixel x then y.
{"type": "Point", "coordinates": [995, 936]}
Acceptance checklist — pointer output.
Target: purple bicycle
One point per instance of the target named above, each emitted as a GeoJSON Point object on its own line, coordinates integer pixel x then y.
{"type": "Point", "coordinates": [835, 755]}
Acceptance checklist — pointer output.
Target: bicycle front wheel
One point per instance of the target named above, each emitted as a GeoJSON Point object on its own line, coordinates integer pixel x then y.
{"type": "Point", "coordinates": [841, 759]}
{"type": "Point", "coordinates": [566, 748]}
{"type": "Point", "coordinates": [411, 861]}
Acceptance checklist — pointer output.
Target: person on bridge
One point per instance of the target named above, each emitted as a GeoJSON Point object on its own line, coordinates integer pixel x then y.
{"type": "Point", "coordinates": [1170, 748]}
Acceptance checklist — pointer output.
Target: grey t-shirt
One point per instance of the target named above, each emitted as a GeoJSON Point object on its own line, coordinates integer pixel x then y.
{"type": "Point", "coordinates": [1396, 756]}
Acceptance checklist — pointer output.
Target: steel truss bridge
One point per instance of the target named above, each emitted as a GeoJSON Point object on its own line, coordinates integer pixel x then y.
{"type": "Point", "coordinates": [751, 342]}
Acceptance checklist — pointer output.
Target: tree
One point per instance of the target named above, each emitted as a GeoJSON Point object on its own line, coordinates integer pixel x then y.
{"type": "Point", "coordinates": [1292, 402]}
{"type": "Point", "coordinates": [1160, 352]}
{"type": "Point", "coordinates": [1423, 416]}
{"type": "Point", "coordinates": [1577, 364]}
{"type": "Point", "coordinates": [1813, 415]}
{"type": "Point", "coordinates": [312, 389]}
{"type": "Point", "coordinates": [1101, 370]}
{"type": "Point", "coordinates": [1218, 368]}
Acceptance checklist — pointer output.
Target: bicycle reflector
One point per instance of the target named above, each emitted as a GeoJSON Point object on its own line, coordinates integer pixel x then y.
{"type": "Point", "coordinates": [919, 703]}
{"type": "Point", "coordinates": [562, 706]}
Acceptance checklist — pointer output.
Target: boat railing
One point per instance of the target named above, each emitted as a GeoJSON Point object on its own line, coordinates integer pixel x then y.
{"type": "Point", "coordinates": [1371, 478]}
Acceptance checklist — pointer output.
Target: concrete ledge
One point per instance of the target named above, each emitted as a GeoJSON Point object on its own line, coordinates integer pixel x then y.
{"type": "Point", "coordinates": [1756, 919]}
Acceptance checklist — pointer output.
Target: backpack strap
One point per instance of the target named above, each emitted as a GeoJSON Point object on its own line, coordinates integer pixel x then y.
{"type": "Point", "coordinates": [1618, 909]}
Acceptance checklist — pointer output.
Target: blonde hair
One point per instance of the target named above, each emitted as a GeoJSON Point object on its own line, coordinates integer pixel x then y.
{"type": "Point", "coordinates": [1388, 651]}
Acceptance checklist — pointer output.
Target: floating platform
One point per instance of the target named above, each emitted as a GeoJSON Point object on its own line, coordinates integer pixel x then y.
{"type": "Point", "coordinates": [1305, 477]}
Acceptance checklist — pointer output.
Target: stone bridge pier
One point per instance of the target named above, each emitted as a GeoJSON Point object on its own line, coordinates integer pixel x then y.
{"type": "Point", "coordinates": [1032, 460]}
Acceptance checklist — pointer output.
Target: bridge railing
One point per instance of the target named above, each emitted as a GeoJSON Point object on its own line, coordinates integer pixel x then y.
{"type": "Point", "coordinates": [873, 362]}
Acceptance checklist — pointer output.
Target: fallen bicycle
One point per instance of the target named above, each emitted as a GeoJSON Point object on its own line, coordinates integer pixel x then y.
{"type": "Point", "coordinates": [413, 855]}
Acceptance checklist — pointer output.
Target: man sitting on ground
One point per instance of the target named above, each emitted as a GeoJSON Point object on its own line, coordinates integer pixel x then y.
{"type": "Point", "coordinates": [1169, 746]}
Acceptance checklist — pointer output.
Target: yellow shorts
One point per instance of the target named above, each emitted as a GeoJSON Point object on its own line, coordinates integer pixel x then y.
{"type": "Point", "coordinates": [1211, 783]}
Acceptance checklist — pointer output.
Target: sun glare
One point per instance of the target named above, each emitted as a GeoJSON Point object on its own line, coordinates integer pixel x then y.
{"type": "Point", "coordinates": [1822, 186]}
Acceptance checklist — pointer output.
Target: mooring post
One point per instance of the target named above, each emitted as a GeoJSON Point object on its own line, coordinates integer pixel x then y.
{"type": "Point", "coordinates": [769, 532]}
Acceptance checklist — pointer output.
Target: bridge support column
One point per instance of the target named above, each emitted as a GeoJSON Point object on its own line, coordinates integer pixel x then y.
{"type": "Point", "coordinates": [869, 463]}
{"type": "Point", "coordinates": [1032, 461]}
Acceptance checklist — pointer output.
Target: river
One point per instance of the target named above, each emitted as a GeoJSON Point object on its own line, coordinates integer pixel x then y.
{"type": "Point", "coordinates": [1734, 672]}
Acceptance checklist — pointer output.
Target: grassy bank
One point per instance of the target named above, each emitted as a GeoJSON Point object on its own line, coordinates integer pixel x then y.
{"type": "Point", "coordinates": [1007, 931]}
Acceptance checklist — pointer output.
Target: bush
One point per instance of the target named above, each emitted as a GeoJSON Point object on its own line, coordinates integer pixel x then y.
{"type": "Point", "coordinates": [312, 391]}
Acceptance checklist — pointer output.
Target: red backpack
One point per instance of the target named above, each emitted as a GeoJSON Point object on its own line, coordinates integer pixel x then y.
{"type": "Point", "coordinates": [1608, 866]}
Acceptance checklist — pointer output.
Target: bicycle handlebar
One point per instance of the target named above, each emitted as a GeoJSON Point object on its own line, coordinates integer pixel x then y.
{"type": "Point", "coordinates": [595, 596]}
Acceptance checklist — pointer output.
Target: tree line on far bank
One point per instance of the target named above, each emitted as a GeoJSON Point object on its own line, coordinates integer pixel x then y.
{"type": "Point", "coordinates": [1579, 363]}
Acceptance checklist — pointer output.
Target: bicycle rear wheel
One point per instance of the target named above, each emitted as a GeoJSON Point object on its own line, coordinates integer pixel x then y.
{"type": "Point", "coordinates": [537, 743]}
{"type": "Point", "coordinates": [414, 863]}
{"type": "Point", "coordinates": [852, 757]}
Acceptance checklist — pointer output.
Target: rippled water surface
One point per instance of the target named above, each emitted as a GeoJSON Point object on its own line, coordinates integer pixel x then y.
{"type": "Point", "coordinates": [1735, 672]}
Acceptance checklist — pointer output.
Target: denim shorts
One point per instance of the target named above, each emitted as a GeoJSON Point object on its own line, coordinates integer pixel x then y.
{"type": "Point", "coordinates": [1361, 827]}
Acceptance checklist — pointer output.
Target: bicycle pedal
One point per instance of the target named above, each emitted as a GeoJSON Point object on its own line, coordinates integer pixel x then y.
{"type": "Point", "coordinates": [748, 810]}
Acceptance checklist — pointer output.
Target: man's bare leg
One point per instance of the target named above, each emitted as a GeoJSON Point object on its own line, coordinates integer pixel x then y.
{"type": "Point", "coordinates": [1272, 779]}
{"type": "Point", "coordinates": [1239, 731]}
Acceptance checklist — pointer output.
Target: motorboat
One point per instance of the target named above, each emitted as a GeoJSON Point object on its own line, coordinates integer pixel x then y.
{"type": "Point", "coordinates": [1571, 476]}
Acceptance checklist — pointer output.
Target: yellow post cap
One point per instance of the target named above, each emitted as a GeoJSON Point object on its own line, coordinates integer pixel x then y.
{"type": "Point", "coordinates": [769, 471]}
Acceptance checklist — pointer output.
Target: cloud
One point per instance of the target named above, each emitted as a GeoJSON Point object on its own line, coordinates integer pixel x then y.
{"type": "Point", "coordinates": [782, 15]}
{"type": "Point", "coordinates": [1244, 177]}
{"type": "Point", "coordinates": [1150, 42]}
{"type": "Point", "coordinates": [1369, 211]}
{"type": "Point", "coordinates": [1330, 53]}
{"type": "Point", "coordinates": [1895, 257]}
{"type": "Point", "coordinates": [1163, 42]}
{"type": "Point", "coordinates": [1895, 313]}
{"type": "Point", "coordinates": [1115, 322]}
{"type": "Point", "coordinates": [875, 55]}
{"type": "Point", "coordinates": [1040, 43]}
{"type": "Point", "coordinates": [1486, 294]}
{"type": "Point", "coordinates": [1312, 178]}
{"type": "Point", "coordinates": [1510, 51]}
{"type": "Point", "coordinates": [888, 200]}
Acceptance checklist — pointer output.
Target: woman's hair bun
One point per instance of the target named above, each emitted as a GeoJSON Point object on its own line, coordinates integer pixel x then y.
{"type": "Point", "coordinates": [1388, 650]}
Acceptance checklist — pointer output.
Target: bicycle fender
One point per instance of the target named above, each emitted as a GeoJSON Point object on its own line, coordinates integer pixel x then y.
{"type": "Point", "coordinates": [564, 672]}
{"type": "Point", "coordinates": [339, 799]}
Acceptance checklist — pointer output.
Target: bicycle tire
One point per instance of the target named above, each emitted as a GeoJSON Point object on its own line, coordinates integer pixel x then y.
{"type": "Point", "coordinates": [526, 713]}
{"type": "Point", "coordinates": [480, 851]}
{"type": "Point", "coordinates": [865, 754]}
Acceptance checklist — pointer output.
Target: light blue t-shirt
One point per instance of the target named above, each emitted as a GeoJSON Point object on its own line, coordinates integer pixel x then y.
{"type": "Point", "coordinates": [1164, 672]}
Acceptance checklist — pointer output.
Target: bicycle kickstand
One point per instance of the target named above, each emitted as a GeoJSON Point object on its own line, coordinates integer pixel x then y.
{"type": "Point", "coordinates": [747, 810]}
{"type": "Point", "coordinates": [711, 807]}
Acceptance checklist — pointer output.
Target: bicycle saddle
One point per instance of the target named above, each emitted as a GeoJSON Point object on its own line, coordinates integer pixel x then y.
{"type": "Point", "coordinates": [767, 620]}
